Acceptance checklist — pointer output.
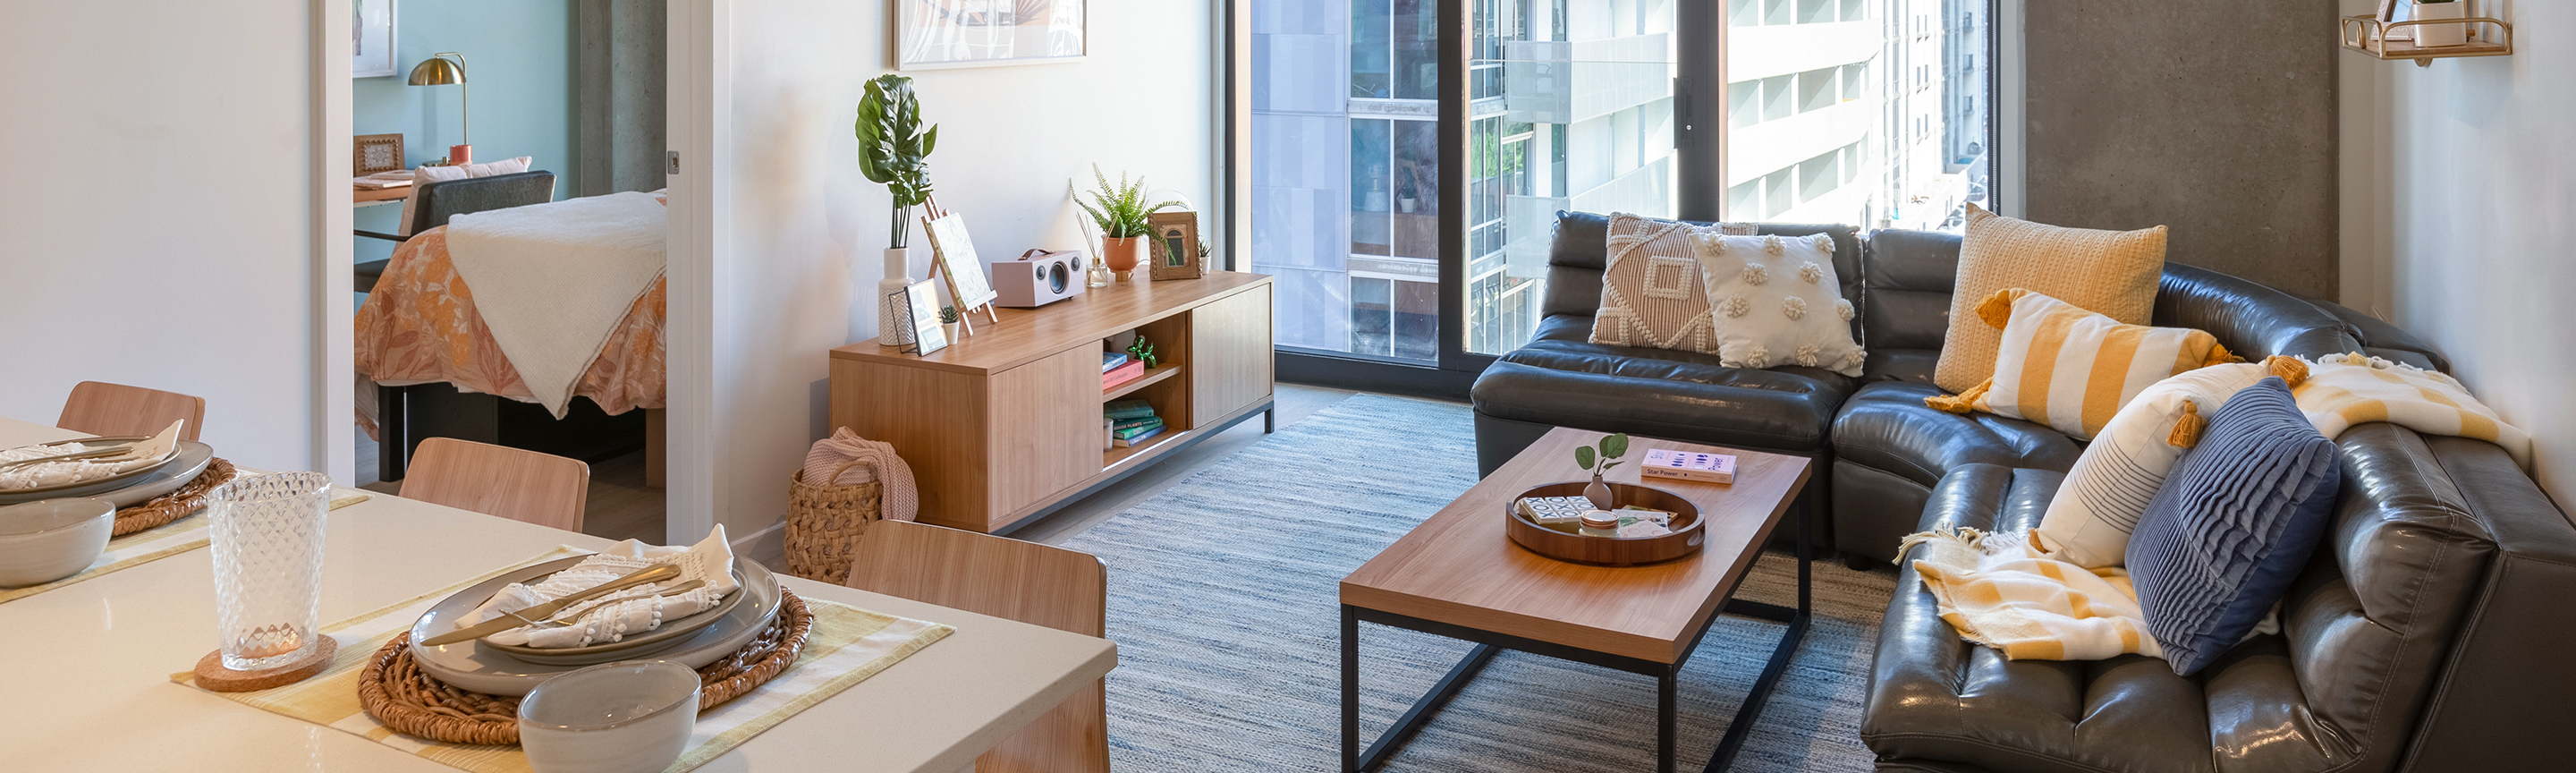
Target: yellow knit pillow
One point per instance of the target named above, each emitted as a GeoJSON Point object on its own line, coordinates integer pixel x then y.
{"type": "Point", "coordinates": [2106, 272]}
{"type": "Point", "coordinates": [2073, 369]}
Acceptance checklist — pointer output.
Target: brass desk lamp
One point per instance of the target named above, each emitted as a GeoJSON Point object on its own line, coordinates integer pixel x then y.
{"type": "Point", "coordinates": [437, 71]}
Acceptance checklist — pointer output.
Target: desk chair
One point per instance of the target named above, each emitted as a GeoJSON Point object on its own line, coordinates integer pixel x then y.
{"type": "Point", "coordinates": [101, 408]}
{"type": "Point", "coordinates": [1006, 578]}
{"type": "Point", "coordinates": [543, 489]}
{"type": "Point", "coordinates": [434, 203]}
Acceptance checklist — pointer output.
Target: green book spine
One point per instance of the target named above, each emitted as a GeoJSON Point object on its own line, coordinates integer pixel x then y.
{"type": "Point", "coordinates": [1149, 421]}
{"type": "Point", "coordinates": [1142, 429]}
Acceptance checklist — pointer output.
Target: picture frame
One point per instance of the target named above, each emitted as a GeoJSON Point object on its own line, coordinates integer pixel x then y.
{"type": "Point", "coordinates": [1175, 244]}
{"type": "Point", "coordinates": [372, 153]}
{"type": "Point", "coordinates": [916, 306]}
{"type": "Point", "coordinates": [372, 38]}
{"type": "Point", "coordinates": [943, 34]}
{"type": "Point", "coordinates": [953, 258]}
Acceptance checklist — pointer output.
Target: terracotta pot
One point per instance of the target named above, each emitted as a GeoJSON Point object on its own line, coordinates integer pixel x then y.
{"type": "Point", "coordinates": [1123, 255]}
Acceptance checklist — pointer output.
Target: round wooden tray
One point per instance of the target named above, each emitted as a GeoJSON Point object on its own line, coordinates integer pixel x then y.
{"type": "Point", "coordinates": [1686, 539]}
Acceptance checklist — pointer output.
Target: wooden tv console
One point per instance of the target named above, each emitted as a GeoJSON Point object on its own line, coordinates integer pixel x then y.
{"type": "Point", "coordinates": [1005, 426]}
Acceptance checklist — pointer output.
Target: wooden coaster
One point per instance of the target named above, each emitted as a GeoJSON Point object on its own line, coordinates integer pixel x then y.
{"type": "Point", "coordinates": [212, 675]}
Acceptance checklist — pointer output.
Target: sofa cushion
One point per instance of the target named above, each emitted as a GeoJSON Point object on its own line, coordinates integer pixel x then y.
{"type": "Point", "coordinates": [1653, 291]}
{"type": "Point", "coordinates": [2110, 273]}
{"type": "Point", "coordinates": [1562, 379]}
{"type": "Point", "coordinates": [2073, 369]}
{"type": "Point", "coordinates": [1885, 425]}
{"type": "Point", "coordinates": [2108, 489]}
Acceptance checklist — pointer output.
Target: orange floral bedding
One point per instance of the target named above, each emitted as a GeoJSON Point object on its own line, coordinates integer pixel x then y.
{"type": "Point", "coordinates": [419, 325]}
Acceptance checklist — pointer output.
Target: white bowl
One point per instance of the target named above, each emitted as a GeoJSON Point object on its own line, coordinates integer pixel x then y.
{"type": "Point", "coordinates": [41, 542]}
{"type": "Point", "coordinates": [627, 717]}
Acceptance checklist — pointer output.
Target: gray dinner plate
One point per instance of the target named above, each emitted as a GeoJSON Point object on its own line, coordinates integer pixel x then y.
{"type": "Point", "coordinates": [476, 666]}
{"type": "Point", "coordinates": [90, 488]}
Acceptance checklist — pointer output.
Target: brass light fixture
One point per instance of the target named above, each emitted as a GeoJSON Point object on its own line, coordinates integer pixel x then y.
{"type": "Point", "coordinates": [438, 71]}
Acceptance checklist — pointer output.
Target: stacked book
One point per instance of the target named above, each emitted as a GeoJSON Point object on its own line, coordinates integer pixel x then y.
{"type": "Point", "coordinates": [1116, 369]}
{"type": "Point", "coordinates": [1130, 422]}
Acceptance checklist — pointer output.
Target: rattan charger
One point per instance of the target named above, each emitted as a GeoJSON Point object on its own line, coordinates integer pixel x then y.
{"type": "Point", "coordinates": [409, 701]}
{"type": "Point", "coordinates": [176, 504]}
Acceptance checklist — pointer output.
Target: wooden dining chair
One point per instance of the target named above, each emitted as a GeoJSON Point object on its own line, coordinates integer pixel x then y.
{"type": "Point", "coordinates": [101, 408]}
{"type": "Point", "coordinates": [1006, 578]}
{"type": "Point", "coordinates": [521, 485]}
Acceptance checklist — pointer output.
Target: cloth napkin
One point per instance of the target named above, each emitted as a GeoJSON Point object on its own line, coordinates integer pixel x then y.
{"type": "Point", "coordinates": [902, 498]}
{"type": "Point", "coordinates": [149, 451]}
{"type": "Point", "coordinates": [625, 612]}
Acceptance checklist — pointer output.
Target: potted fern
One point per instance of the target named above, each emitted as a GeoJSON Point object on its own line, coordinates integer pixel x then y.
{"type": "Point", "coordinates": [894, 151]}
{"type": "Point", "coordinates": [1120, 211]}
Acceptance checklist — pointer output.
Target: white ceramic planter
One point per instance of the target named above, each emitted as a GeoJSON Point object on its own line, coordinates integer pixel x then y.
{"type": "Point", "coordinates": [891, 330]}
{"type": "Point", "coordinates": [2441, 35]}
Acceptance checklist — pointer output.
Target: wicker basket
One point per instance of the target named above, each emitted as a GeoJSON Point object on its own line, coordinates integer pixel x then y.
{"type": "Point", "coordinates": [824, 523]}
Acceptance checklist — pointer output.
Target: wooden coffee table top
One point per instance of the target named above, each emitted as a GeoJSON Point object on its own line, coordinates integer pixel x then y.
{"type": "Point", "coordinates": [1459, 567]}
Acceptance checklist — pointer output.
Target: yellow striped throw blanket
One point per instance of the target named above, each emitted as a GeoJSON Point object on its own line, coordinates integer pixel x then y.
{"type": "Point", "coordinates": [2005, 592]}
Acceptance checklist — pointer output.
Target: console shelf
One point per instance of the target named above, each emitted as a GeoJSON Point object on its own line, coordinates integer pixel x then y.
{"type": "Point", "coordinates": [1151, 378]}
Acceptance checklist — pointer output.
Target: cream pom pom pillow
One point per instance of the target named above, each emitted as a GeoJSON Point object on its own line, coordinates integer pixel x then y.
{"type": "Point", "coordinates": [1776, 302]}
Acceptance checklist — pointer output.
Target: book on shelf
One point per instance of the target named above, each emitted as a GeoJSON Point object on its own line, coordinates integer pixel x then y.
{"type": "Point", "coordinates": [1128, 409]}
{"type": "Point", "coordinates": [1119, 424]}
{"type": "Point", "coordinates": [1110, 361]}
{"type": "Point", "coordinates": [1141, 427]}
{"type": "Point", "coordinates": [1129, 442]}
{"type": "Point", "coordinates": [1121, 375]}
{"type": "Point", "coordinates": [1685, 465]}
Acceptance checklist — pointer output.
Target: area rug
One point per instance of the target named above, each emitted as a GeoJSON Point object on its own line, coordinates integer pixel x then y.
{"type": "Point", "coordinates": [1223, 600]}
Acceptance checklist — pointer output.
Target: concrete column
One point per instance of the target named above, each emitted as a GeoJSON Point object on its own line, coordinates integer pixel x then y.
{"type": "Point", "coordinates": [621, 109]}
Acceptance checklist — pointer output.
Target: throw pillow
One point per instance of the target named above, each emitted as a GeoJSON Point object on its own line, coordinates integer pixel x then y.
{"type": "Point", "coordinates": [1776, 302]}
{"type": "Point", "coordinates": [1651, 292]}
{"type": "Point", "coordinates": [2110, 273]}
{"type": "Point", "coordinates": [2073, 369]}
{"type": "Point", "coordinates": [2088, 523]}
{"type": "Point", "coordinates": [430, 174]}
{"type": "Point", "coordinates": [2233, 527]}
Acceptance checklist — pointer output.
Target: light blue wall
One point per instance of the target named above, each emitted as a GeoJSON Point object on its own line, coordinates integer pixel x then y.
{"type": "Point", "coordinates": [519, 62]}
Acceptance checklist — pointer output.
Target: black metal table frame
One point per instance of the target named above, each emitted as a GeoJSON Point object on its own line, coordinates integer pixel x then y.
{"type": "Point", "coordinates": [1354, 760]}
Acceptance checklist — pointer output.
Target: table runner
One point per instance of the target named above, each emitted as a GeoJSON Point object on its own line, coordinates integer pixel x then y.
{"type": "Point", "coordinates": [154, 544]}
{"type": "Point", "coordinates": [845, 646]}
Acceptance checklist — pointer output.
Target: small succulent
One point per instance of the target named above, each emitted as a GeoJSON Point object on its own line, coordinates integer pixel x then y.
{"type": "Point", "coordinates": [948, 315]}
{"type": "Point", "coordinates": [1612, 447]}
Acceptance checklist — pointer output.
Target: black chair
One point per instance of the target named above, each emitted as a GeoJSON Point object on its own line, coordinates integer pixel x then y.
{"type": "Point", "coordinates": [434, 203]}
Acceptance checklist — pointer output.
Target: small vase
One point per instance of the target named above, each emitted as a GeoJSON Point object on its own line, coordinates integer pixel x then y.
{"type": "Point", "coordinates": [891, 316]}
{"type": "Point", "coordinates": [949, 329]}
{"type": "Point", "coordinates": [1122, 255]}
{"type": "Point", "coordinates": [2441, 35]}
{"type": "Point", "coordinates": [1599, 493]}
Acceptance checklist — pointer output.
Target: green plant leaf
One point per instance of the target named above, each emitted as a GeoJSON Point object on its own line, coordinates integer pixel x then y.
{"type": "Point", "coordinates": [1583, 457]}
{"type": "Point", "coordinates": [1615, 446]}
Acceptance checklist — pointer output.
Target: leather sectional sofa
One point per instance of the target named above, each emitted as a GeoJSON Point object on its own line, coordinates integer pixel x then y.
{"type": "Point", "coordinates": [2426, 635]}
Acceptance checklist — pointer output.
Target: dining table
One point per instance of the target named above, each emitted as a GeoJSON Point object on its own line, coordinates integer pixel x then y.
{"type": "Point", "coordinates": [86, 669]}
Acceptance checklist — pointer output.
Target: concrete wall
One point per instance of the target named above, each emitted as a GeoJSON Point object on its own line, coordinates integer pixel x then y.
{"type": "Point", "coordinates": [2465, 220]}
{"type": "Point", "coordinates": [160, 164]}
{"type": "Point", "coordinates": [2214, 118]}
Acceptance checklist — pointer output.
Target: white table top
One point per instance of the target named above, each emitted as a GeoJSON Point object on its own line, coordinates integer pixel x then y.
{"type": "Point", "coordinates": [86, 668]}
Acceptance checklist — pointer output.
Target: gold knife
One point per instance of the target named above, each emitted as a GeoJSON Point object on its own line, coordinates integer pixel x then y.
{"type": "Point", "coordinates": [532, 615]}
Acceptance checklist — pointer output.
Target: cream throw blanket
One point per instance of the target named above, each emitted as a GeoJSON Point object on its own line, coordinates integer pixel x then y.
{"type": "Point", "coordinates": [2009, 593]}
{"type": "Point", "coordinates": [554, 280]}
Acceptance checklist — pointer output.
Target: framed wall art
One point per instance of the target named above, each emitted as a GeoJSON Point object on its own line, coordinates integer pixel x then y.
{"type": "Point", "coordinates": [937, 34]}
{"type": "Point", "coordinates": [371, 34]}
{"type": "Point", "coordinates": [1176, 244]}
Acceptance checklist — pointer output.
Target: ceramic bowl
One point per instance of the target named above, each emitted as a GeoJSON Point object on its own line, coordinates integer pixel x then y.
{"type": "Point", "coordinates": [41, 542]}
{"type": "Point", "coordinates": [626, 717]}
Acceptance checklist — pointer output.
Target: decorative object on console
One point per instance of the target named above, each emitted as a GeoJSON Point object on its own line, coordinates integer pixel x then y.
{"type": "Point", "coordinates": [1649, 525]}
{"type": "Point", "coordinates": [917, 310]}
{"type": "Point", "coordinates": [2440, 35]}
{"type": "Point", "coordinates": [372, 153]}
{"type": "Point", "coordinates": [2092, 364]}
{"type": "Point", "coordinates": [1143, 351]}
{"type": "Point", "coordinates": [1123, 216]}
{"type": "Point", "coordinates": [894, 151]}
{"type": "Point", "coordinates": [373, 41]}
{"type": "Point", "coordinates": [1176, 244]}
{"type": "Point", "coordinates": [437, 71]}
{"type": "Point", "coordinates": [1775, 302]}
{"type": "Point", "coordinates": [2110, 273]}
{"type": "Point", "coordinates": [1651, 291]}
{"type": "Point", "coordinates": [1612, 447]}
{"type": "Point", "coordinates": [948, 321]}
{"type": "Point", "coordinates": [1038, 278]}
{"type": "Point", "coordinates": [953, 257]}
{"type": "Point", "coordinates": [1688, 465]}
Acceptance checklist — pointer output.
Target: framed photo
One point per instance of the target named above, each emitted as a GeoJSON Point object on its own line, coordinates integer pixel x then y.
{"type": "Point", "coordinates": [937, 34]}
{"type": "Point", "coordinates": [1176, 244]}
{"type": "Point", "coordinates": [373, 153]}
{"type": "Point", "coordinates": [371, 34]}
{"type": "Point", "coordinates": [957, 262]}
{"type": "Point", "coordinates": [917, 307]}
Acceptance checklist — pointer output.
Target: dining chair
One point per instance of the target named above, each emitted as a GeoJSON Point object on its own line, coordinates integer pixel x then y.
{"type": "Point", "coordinates": [101, 408]}
{"type": "Point", "coordinates": [1006, 578]}
{"type": "Point", "coordinates": [521, 485]}
{"type": "Point", "coordinates": [434, 203]}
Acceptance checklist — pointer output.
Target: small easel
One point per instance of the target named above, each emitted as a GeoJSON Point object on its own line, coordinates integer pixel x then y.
{"type": "Point", "coordinates": [967, 285]}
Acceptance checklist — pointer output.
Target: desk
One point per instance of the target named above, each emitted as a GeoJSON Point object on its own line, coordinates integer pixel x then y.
{"type": "Point", "coordinates": [87, 666]}
{"type": "Point", "coordinates": [362, 197]}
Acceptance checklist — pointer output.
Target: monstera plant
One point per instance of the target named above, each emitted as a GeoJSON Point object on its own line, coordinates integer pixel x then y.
{"type": "Point", "coordinates": [893, 148]}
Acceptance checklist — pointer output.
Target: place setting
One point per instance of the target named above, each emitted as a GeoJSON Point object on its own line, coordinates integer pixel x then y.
{"type": "Point", "coordinates": [75, 509]}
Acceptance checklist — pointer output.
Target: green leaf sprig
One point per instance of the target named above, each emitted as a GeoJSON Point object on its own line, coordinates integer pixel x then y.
{"type": "Point", "coordinates": [893, 148]}
{"type": "Point", "coordinates": [1612, 447]}
{"type": "Point", "coordinates": [1121, 208]}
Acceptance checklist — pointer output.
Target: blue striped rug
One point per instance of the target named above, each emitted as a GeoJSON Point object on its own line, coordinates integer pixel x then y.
{"type": "Point", "coordinates": [1223, 600]}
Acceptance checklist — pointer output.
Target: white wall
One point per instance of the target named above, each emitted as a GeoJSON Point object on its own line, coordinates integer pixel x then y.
{"type": "Point", "coordinates": [2460, 216]}
{"type": "Point", "coordinates": [155, 227]}
{"type": "Point", "coordinates": [807, 230]}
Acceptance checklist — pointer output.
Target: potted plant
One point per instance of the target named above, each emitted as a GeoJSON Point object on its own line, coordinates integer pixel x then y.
{"type": "Point", "coordinates": [894, 150]}
{"type": "Point", "coordinates": [1120, 212]}
{"type": "Point", "coordinates": [948, 321]}
{"type": "Point", "coordinates": [2440, 35]}
{"type": "Point", "coordinates": [1612, 447]}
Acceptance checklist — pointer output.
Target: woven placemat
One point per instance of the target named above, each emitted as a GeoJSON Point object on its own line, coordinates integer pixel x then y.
{"type": "Point", "coordinates": [176, 504]}
{"type": "Point", "coordinates": [408, 700]}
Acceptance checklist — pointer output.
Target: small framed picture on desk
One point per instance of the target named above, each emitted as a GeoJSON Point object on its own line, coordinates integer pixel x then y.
{"type": "Point", "coordinates": [917, 306]}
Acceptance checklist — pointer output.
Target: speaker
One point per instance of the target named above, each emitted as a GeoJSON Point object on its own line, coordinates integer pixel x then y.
{"type": "Point", "coordinates": [1038, 278]}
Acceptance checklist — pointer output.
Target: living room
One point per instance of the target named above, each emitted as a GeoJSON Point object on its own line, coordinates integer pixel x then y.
{"type": "Point", "coordinates": [1492, 385]}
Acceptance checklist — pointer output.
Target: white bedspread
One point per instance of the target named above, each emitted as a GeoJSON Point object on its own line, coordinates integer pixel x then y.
{"type": "Point", "coordinates": [553, 280]}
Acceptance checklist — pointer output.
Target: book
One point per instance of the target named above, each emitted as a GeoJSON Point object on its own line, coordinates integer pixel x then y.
{"type": "Point", "coordinates": [1111, 360]}
{"type": "Point", "coordinates": [1685, 465]}
{"type": "Point", "coordinates": [1118, 424]}
{"type": "Point", "coordinates": [1144, 427]}
{"type": "Point", "coordinates": [1126, 442]}
{"type": "Point", "coordinates": [1122, 374]}
{"type": "Point", "coordinates": [1554, 509]}
{"type": "Point", "coordinates": [1128, 409]}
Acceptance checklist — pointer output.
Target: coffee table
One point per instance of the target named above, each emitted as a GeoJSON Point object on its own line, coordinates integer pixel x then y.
{"type": "Point", "coordinates": [1457, 575]}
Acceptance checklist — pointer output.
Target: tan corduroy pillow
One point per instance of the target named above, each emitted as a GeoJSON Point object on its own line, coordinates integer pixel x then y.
{"type": "Point", "coordinates": [1652, 293]}
{"type": "Point", "coordinates": [2112, 273]}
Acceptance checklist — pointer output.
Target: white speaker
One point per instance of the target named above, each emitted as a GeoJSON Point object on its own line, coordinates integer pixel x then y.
{"type": "Point", "coordinates": [1038, 278]}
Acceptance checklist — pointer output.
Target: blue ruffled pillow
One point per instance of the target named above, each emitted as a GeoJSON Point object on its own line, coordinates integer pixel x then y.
{"type": "Point", "coordinates": [2233, 526]}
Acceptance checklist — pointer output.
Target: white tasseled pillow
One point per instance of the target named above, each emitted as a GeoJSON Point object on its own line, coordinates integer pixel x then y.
{"type": "Point", "coordinates": [430, 174]}
{"type": "Point", "coordinates": [1776, 302]}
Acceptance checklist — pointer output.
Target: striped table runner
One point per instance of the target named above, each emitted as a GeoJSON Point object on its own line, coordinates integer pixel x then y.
{"type": "Point", "coordinates": [154, 544]}
{"type": "Point", "coordinates": [845, 646]}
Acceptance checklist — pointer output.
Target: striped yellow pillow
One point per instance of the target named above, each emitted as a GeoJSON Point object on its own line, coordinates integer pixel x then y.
{"type": "Point", "coordinates": [2072, 369]}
